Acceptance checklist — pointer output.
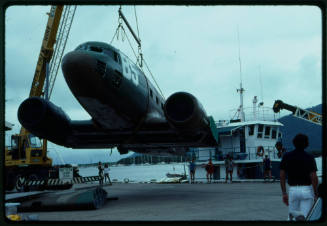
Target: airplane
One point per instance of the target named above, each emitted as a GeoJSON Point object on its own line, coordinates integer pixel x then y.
{"type": "Point", "coordinates": [126, 110]}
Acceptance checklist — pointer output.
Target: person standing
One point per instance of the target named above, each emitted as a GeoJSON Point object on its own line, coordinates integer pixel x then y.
{"type": "Point", "coordinates": [267, 167]}
{"type": "Point", "coordinates": [280, 149]}
{"type": "Point", "coordinates": [100, 168]}
{"type": "Point", "coordinates": [106, 173]}
{"type": "Point", "coordinates": [192, 171]}
{"type": "Point", "coordinates": [209, 169]}
{"type": "Point", "coordinates": [301, 168]}
{"type": "Point", "coordinates": [229, 164]}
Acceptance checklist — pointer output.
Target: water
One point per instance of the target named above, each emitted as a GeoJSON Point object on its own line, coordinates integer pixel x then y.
{"type": "Point", "coordinates": [138, 173]}
{"type": "Point", "coordinates": [141, 173]}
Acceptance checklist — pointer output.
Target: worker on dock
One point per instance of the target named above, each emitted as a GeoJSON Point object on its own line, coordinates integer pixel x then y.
{"type": "Point", "coordinates": [229, 164]}
{"type": "Point", "coordinates": [106, 174]}
{"type": "Point", "coordinates": [301, 169]}
{"type": "Point", "coordinates": [209, 168]}
{"type": "Point", "coordinates": [192, 171]}
{"type": "Point", "coordinates": [267, 167]}
{"type": "Point", "coordinates": [100, 168]}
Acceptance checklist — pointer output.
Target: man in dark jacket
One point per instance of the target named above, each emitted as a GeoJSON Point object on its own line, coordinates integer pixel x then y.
{"type": "Point", "coordinates": [300, 167]}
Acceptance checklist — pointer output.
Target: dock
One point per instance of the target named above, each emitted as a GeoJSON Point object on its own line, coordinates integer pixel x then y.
{"type": "Point", "coordinates": [179, 202]}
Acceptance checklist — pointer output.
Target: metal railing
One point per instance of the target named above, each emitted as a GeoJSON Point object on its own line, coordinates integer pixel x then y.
{"type": "Point", "coordinates": [250, 154]}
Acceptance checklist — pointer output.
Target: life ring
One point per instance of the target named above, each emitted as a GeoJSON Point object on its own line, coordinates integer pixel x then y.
{"type": "Point", "coordinates": [126, 180]}
{"type": "Point", "coordinates": [260, 151]}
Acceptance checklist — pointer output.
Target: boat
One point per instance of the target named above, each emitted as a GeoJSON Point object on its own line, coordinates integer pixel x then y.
{"type": "Point", "coordinates": [248, 137]}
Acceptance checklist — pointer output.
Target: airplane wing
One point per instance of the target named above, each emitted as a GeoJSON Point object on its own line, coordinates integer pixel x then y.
{"type": "Point", "coordinates": [157, 135]}
{"type": "Point", "coordinates": [48, 121]}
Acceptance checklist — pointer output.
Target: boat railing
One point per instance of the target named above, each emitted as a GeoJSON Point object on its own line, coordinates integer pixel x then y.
{"type": "Point", "coordinates": [250, 154]}
{"type": "Point", "coordinates": [260, 114]}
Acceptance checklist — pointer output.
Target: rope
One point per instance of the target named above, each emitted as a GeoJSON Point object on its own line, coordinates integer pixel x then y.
{"type": "Point", "coordinates": [137, 26]}
{"type": "Point", "coordinates": [139, 58]}
{"type": "Point", "coordinates": [130, 44]}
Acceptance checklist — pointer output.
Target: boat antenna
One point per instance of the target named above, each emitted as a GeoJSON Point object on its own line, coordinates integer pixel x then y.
{"type": "Point", "coordinates": [260, 80]}
{"type": "Point", "coordinates": [241, 90]}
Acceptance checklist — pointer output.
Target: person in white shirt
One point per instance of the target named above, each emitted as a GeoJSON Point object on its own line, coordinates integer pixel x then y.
{"type": "Point", "coordinates": [106, 174]}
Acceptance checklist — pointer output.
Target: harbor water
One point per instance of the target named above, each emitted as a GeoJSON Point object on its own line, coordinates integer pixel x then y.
{"type": "Point", "coordinates": [147, 172]}
{"type": "Point", "coordinates": [138, 173]}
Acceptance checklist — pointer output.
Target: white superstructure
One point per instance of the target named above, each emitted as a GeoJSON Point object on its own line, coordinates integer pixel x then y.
{"type": "Point", "coordinates": [242, 137]}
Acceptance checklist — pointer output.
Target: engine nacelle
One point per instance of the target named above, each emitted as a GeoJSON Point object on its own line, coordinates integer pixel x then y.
{"type": "Point", "coordinates": [44, 119]}
{"type": "Point", "coordinates": [185, 112]}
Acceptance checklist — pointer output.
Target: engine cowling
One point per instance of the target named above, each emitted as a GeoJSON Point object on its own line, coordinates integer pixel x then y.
{"type": "Point", "coordinates": [185, 112]}
{"type": "Point", "coordinates": [44, 119]}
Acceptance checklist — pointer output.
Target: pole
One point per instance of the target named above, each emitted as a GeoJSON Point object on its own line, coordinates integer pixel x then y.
{"type": "Point", "coordinates": [129, 27]}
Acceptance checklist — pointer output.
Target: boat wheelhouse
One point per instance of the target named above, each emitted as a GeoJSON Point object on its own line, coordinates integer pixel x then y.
{"type": "Point", "coordinates": [248, 139]}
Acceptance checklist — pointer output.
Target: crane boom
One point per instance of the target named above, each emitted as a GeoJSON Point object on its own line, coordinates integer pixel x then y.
{"type": "Point", "coordinates": [304, 114]}
{"type": "Point", "coordinates": [46, 52]}
{"type": "Point", "coordinates": [62, 36]}
{"type": "Point", "coordinates": [45, 55]}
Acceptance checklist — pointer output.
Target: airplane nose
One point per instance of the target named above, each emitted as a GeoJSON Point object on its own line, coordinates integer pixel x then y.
{"type": "Point", "coordinates": [79, 71]}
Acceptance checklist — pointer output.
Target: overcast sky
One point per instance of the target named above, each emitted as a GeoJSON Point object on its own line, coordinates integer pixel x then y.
{"type": "Point", "coordinates": [193, 49]}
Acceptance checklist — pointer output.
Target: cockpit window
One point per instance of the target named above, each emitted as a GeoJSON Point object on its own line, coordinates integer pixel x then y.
{"type": "Point", "coordinates": [107, 51]}
{"type": "Point", "coordinates": [81, 47]}
{"type": "Point", "coordinates": [115, 56]}
{"type": "Point", "coordinates": [95, 49]}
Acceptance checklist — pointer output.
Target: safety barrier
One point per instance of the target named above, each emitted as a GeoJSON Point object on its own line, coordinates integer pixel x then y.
{"type": "Point", "coordinates": [51, 182]}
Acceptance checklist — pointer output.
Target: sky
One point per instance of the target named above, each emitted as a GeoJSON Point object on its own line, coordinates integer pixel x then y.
{"type": "Point", "coordinates": [187, 48]}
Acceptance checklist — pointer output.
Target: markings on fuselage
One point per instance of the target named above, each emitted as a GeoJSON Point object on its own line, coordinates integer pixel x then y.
{"type": "Point", "coordinates": [129, 72]}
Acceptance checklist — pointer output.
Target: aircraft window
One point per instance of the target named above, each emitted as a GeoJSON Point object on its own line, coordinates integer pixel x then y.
{"type": "Point", "coordinates": [117, 57]}
{"type": "Point", "coordinates": [151, 94]}
{"type": "Point", "coordinates": [251, 130]}
{"type": "Point", "coordinates": [95, 49]}
{"type": "Point", "coordinates": [108, 52]}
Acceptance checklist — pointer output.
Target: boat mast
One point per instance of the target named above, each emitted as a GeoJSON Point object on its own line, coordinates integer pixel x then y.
{"type": "Point", "coordinates": [241, 90]}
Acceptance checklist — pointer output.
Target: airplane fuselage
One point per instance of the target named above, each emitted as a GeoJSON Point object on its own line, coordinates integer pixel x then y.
{"type": "Point", "coordinates": [100, 76]}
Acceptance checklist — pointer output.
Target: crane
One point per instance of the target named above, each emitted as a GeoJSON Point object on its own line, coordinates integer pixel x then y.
{"type": "Point", "coordinates": [27, 159]}
{"type": "Point", "coordinates": [304, 114]}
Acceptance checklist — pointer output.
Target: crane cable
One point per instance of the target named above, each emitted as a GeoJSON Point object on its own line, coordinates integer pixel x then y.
{"type": "Point", "coordinates": [138, 57]}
